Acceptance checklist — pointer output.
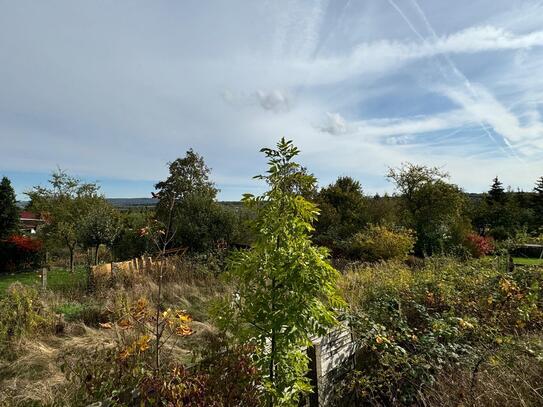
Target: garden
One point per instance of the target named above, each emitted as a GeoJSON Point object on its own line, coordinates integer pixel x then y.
{"type": "Point", "coordinates": [229, 299]}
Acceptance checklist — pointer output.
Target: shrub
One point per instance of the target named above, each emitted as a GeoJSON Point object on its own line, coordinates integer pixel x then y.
{"type": "Point", "coordinates": [508, 376]}
{"type": "Point", "coordinates": [500, 233]}
{"type": "Point", "coordinates": [411, 325]}
{"type": "Point", "coordinates": [227, 377]}
{"type": "Point", "coordinates": [21, 313]}
{"type": "Point", "coordinates": [382, 243]}
{"type": "Point", "coordinates": [479, 246]}
{"type": "Point", "coordinates": [18, 253]}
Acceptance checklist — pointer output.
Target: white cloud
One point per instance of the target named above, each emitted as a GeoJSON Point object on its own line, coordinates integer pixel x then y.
{"type": "Point", "coordinates": [275, 100]}
{"type": "Point", "coordinates": [335, 124]}
{"type": "Point", "coordinates": [481, 39]}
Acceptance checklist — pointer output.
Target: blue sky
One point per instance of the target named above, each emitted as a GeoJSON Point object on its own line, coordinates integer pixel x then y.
{"type": "Point", "coordinates": [112, 91]}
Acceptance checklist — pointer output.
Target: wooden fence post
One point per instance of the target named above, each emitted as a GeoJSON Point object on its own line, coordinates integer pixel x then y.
{"type": "Point", "coordinates": [44, 278]}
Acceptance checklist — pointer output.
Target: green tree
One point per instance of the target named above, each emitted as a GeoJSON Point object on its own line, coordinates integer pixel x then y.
{"type": "Point", "coordinates": [478, 209]}
{"type": "Point", "coordinates": [538, 189]}
{"type": "Point", "coordinates": [432, 207]}
{"type": "Point", "coordinates": [496, 194]}
{"type": "Point", "coordinates": [195, 220]}
{"type": "Point", "coordinates": [383, 210]}
{"type": "Point", "coordinates": [342, 212]}
{"type": "Point", "coordinates": [64, 205]}
{"type": "Point", "coordinates": [537, 203]}
{"type": "Point", "coordinates": [129, 242]}
{"type": "Point", "coordinates": [9, 213]}
{"type": "Point", "coordinates": [502, 211]}
{"type": "Point", "coordinates": [285, 287]}
{"type": "Point", "coordinates": [101, 225]}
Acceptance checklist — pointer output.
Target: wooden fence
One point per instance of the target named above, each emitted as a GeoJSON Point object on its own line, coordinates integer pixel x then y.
{"type": "Point", "coordinates": [134, 266]}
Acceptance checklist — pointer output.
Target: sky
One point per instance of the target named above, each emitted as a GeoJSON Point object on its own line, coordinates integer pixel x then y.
{"type": "Point", "coordinates": [113, 91]}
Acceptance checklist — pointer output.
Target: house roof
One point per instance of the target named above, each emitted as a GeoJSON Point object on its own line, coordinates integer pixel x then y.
{"type": "Point", "coordinates": [26, 215]}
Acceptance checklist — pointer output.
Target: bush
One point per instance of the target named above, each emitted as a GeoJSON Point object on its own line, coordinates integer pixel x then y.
{"type": "Point", "coordinates": [227, 377]}
{"type": "Point", "coordinates": [479, 246]}
{"type": "Point", "coordinates": [19, 253]}
{"type": "Point", "coordinates": [22, 313]}
{"type": "Point", "coordinates": [500, 233]}
{"type": "Point", "coordinates": [412, 325]}
{"type": "Point", "coordinates": [381, 243]}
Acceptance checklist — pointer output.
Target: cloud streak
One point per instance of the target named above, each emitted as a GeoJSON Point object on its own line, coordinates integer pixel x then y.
{"type": "Point", "coordinates": [117, 90]}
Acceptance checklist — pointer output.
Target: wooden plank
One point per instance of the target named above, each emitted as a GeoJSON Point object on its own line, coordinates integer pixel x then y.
{"type": "Point", "coordinates": [333, 355]}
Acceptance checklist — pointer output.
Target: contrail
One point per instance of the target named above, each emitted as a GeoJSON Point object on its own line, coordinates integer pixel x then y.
{"type": "Point", "coordinates": [325, 37]}
{"type": "Point", "coordinates": [450, 64]}
{"type": "Point", "coordinates": [402, 14]}
{"type": "Point", "coordinates": [463, 79]}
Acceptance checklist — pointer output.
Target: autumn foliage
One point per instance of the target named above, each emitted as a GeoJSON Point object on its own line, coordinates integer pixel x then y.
{"type": "Point", "coordinates": [25, 243]}
{"type": "Point", "coordinates": [19, 253]}
{"type": "Point", "coordinates": [478, 245]}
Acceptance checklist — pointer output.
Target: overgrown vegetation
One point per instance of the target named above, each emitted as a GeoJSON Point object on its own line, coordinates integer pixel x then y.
{"type": "Point", "coordinates": [415, 326]}
{"type": "Point", "coordinates": [440, 311]}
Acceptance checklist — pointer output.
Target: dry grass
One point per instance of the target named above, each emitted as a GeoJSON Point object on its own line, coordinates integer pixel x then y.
{"type": "Point", "coordinates": [35, 377]}
{"type": "Point", "coordinates": [32, 375]}
{"type": "Point", "coordinates": [508, 378]}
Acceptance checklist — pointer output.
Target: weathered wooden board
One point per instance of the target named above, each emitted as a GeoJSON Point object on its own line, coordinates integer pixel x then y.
{"type": "Point", "coordinates": [331, 356]}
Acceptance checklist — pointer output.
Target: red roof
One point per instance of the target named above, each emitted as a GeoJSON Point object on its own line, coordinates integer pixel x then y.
{"type": "Point", "coordinates": [28, 215]}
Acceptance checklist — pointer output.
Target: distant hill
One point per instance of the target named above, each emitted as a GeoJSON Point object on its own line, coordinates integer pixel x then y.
{"type": "Point", "coordinates": [133, 202]}
{"type": "Point", "coordinates": [119, 202]}
{"type": "Point", "coordinates": [127, 203]}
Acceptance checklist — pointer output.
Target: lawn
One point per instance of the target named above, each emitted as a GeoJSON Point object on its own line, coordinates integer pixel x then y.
{"type": "Point", "coordinates": [57, 279]}
{"type": "Point", "coordinates": [526, 261]}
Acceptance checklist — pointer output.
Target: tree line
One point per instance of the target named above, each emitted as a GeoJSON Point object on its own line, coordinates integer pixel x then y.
{"type": "Point", "coordinates": [285, 288]}
{"type": "Point", "coordinates": [435, 212]}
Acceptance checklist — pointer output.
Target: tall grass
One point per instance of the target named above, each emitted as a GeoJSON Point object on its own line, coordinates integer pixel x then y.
{"type": "Point", "coordinates": [78, 320]}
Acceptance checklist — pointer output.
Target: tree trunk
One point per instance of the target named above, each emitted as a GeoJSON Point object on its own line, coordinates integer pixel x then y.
{"type": "Point", "coordinates": [71, 259]}
{"type": "Point", "coordinates": [96, 254]}
{"type": "Point", "coordinates": [272, 365]}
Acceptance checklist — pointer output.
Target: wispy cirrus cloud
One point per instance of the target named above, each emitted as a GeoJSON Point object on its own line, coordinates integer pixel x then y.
{"type": "Point", "coordinates": [483, 106]}
{"type": "Point", "coordinates": [385, 55]}
{"type": "Point", "coordinates": [118, 90]}
{"type": "Point", "coordinates": [384, 128]}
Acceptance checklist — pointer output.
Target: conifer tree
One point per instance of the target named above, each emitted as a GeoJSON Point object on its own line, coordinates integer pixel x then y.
{"type": "Point", "coordinates": [538, 202]}
{"type": "Point", "coordinates": [9, 213]}
{"type": "Point", "coordinates": [496, 194]}
{"type": "Point", "coordinates": [538, 189]}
